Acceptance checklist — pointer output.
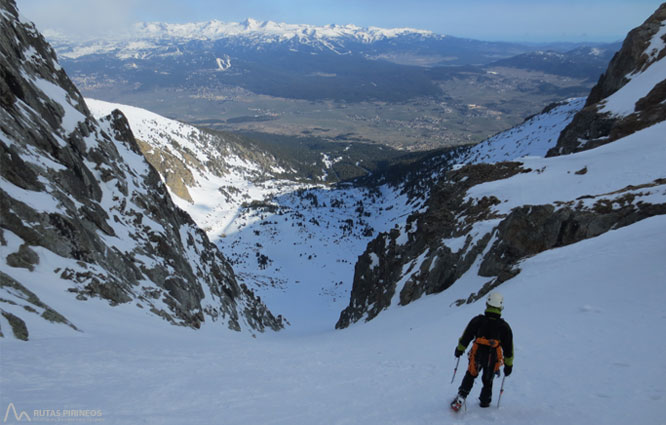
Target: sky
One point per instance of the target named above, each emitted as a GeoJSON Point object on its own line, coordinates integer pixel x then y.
{"type": "Point", "coordinates": [514, 20]}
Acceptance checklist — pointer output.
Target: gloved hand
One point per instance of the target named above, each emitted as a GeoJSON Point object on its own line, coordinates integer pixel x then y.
{"type": "Point", "coordinates": [458, 352]}
{"type": "Point", "coordinates": [507, 370]}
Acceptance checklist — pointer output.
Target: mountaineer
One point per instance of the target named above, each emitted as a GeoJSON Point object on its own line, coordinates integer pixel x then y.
{"type": "Point", "coordinates": [492, 347]}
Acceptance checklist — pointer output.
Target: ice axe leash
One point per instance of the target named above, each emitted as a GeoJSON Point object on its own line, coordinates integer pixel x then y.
{"type": "Point", "coordinates": [501, 392]}
{"type": "Point", "coordinates": [455, 370]}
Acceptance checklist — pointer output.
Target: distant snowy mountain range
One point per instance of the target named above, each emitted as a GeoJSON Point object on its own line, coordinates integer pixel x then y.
{"type": "Point", "coordinates": [165, 39]}
{"type": "Point", "coordinates": [250, 33]}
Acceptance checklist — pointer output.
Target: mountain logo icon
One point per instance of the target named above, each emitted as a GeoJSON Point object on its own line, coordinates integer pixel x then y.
{"type": "Point", "coordinates": [18, 416]}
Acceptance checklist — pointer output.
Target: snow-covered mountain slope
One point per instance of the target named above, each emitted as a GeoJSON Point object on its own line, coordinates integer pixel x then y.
{"type": "Point", "coordinates": [209, 176]}
{"type": "Point", "coordinates": [301, 247]}
{"type": "Point", "coordinates": [580, 347]}
{"type": "Point", "coordinates": [629, 171]}
{"type": "Point", "coordinates": [534, 137]}
{"type": "Point", "coordinates": [84, 218]}
{"type": "Point", "coordinates": [483, 220]}
{"type": "Point", "coordinates": [293, 242]}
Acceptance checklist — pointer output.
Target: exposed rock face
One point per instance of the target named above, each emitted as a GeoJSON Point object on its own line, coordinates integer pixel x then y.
{"type": "Point", "coordinates": [77, 193]}
{"type": "Point", "coordinates": [593, 126]}
{"type": "Point", "coordinates": [414, 256]}
{"type": "Point", "coordinates": [531, 229]}
{"type": "Point", "coordinates": [176, 174]}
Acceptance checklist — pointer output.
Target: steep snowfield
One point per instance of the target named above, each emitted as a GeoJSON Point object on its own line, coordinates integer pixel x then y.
{"type": "Point", "coordinates": [586, 352]}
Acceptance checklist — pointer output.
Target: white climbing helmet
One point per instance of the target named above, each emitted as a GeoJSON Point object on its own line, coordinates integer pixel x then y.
{"type": "Point", "coordinates": [495, 299]}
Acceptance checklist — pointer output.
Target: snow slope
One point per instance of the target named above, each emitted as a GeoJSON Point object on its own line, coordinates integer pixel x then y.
{"type": "Point", "coordinates": [310, 243]}
{"type": "Point", "coordinates": [213, 162]}
{"type": "Point", "coordinates": [534, 137]}
{"type": "Point", "coordinates": [628, 173]}
{"type": "Point", "coordinates": [581, 347]}
{"type": "Point", "coordinates": [297, 245]}
{"type": "Point", "coordinates": [610, 170]}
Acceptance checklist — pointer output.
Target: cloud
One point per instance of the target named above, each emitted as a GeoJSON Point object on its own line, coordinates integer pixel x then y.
{"type": "Point", "coordinates": [89, 18]}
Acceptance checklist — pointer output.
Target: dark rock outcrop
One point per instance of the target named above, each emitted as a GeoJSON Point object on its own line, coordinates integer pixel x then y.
{"type": "Point", "coordinates": [79, 192]}
{"type": "Point", "coordinates": [529, 230]}
{"type": "Point", "coordinates": [592, 127]}
{"type": "Point", "coordinates": [414, 255]}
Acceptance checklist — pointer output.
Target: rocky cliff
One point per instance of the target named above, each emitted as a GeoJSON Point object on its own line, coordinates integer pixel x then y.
{"type": "Point", "coordinates": [629, 96]}
{"type": "Point", "coordinates": [82, 212]}
{"type": "Point", "coordinates": [481, 220]}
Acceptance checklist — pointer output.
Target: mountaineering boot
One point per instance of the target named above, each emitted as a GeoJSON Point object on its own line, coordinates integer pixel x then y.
{"type": "Point", "coordinates": [486, 395]}
{"type": "Point", "coordinates": [457, 403]}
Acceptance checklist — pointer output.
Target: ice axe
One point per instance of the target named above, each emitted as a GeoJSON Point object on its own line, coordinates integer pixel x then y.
{"type": "Point", "coordinates": [455, 370]}
{"type": "Point", "coordinates": [501, 392]}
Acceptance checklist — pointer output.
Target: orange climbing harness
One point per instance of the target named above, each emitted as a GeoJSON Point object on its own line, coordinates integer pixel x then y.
{"type": "Point", "coordinates": [492, 343]}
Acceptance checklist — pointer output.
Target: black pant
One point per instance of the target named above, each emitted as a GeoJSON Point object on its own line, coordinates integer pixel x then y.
{"type": "Point", "coordinates": [486, 368]}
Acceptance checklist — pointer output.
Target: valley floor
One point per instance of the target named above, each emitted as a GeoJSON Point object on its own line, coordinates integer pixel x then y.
{"type": "Point", "coordinates": [586, 320]}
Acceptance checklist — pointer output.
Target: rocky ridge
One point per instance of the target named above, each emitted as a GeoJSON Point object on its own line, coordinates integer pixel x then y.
{"type": "Point", "coordinates": [83, 213]}
{"type": "Point", "coordinates": [609, 114]}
